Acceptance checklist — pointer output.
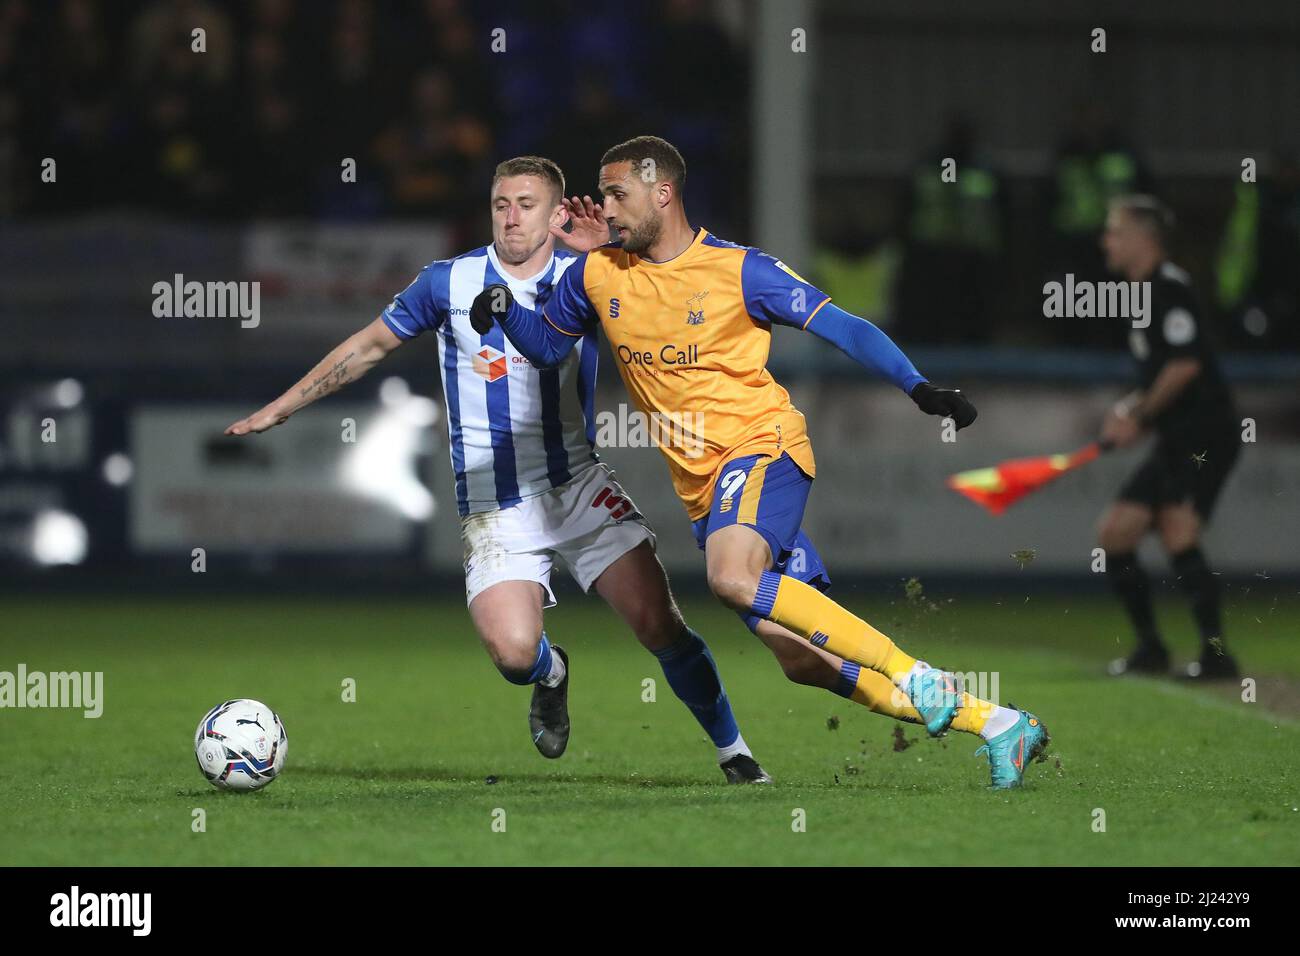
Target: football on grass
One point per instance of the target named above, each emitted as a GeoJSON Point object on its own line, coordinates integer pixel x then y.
{"type": "Point", "coordinates": [240, 745]}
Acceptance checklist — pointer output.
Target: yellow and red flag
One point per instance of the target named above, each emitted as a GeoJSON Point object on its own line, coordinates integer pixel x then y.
{"type": "Point", "coordinates": [1001, 486]}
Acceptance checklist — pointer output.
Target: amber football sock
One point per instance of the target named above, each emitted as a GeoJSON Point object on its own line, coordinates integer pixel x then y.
{"type": "Point", "coordinates": [876, 692]}
{"type": "Point", "coordinates": [819, 620]}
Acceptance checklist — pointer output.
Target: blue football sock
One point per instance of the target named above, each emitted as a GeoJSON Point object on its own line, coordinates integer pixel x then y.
{"type": "Point", "coordinates": [849, 672]}
{"type": "Point", "coordinates": [693, 676]}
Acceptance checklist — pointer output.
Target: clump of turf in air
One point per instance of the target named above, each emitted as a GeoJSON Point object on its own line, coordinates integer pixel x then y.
{"type": "Point", "coordinates": [914, 592]}
{"type": "Point", "coordinates": [1024, 556]}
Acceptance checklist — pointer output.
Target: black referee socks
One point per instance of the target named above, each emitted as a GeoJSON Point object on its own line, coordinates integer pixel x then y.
{"type": "Point", "coordinates": [1131, 584]}
{"type": "Point", "coordinates": [1202, 589]}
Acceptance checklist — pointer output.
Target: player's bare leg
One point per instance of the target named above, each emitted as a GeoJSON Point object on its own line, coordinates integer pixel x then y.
{"type": "Point", "coordinates": [636, 587]}
{"type": "Point", "coordinates": [1180, 533]}
{"type": "Point", "coordinates": [508, 618]}
{"type": "Point", "coordinates": [1179, 527]}
{"type": "Point", "coordinates": [1123, 526]}
{"type": "Point", "coordinates": [802, 663]}
{"type": "Point", "coordinates": [1119, 532]}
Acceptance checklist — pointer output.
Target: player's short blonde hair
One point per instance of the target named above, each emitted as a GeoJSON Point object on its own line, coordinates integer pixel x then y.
{"type": "Point", "coordinates": [538, 166]}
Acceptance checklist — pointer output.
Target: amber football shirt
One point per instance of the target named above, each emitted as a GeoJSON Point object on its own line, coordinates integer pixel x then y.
{"type": "Point", "coordinates": [691, 338]}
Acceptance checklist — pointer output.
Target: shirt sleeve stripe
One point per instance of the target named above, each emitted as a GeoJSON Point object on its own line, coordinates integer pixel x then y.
{"type": "Point", "coordinates": [814, 312]}
{"type": "Point", "coordinates": [576, 335]}
{"type": "Point", "coordinates": [396, 326]}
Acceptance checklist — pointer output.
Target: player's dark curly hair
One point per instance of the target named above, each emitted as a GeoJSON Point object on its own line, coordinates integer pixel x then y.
{"type": "Point", "coordinates": [668, 163]}
{"type": "Point", "coordinates": [532, 166]}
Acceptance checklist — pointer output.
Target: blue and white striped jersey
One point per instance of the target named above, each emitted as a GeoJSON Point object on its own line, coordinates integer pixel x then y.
{"type": "Point", "coordinates": [515, 430]}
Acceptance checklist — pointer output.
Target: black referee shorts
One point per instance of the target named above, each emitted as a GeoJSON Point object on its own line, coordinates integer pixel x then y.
{"type": "Point", "coordinates": [1172, 475]}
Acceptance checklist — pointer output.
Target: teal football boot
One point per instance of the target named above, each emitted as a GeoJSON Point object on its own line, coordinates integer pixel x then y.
{"type": "Point", "coordinates": [936, 695]}
{"type": "Point", "coordinates": [1010, 751]}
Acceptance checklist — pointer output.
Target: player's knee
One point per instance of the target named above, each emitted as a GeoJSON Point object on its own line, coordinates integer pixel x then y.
{"type": "Point", "coordinates": [662, 628]}
{"type": "Point", "coordinates": [1177, 536]}
{"type": "Point", "coordinates": [733, 587]}
{"type": "Point", "coordinates": [514, 654]}
{"type": "Point", "coordinates": [1116, 535]}
{"type": "Point", "coordinates": [657, 627]}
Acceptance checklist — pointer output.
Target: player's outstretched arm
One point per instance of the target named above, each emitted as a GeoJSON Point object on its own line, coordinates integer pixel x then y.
{"type": "Point", "coordinates": [536, 338]}
{"type": "Point", "coordinates": [588, 228]}
{"type": "Point", "coordinates": [875, 351]}
{"type": "Point", "coordinates": [355, 356]}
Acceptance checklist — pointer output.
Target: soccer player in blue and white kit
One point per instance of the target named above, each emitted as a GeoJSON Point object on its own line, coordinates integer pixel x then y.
{"type": "Point", "coordinates": [529, 486]}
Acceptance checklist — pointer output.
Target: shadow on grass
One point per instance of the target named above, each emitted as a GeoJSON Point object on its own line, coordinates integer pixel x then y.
{"type": "Point", "coordinates": [674, 784]}
{"type": "Point", "coordinates": [477, 777]}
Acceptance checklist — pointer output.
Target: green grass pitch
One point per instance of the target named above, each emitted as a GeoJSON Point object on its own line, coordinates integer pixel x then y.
{"type": "Point", "coordinates": [401, 776]}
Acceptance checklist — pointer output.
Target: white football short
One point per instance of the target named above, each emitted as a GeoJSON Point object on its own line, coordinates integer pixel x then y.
{"type": "Point", "coordinates": [589, 522]}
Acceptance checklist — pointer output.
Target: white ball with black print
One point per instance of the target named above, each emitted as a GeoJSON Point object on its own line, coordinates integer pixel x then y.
{"type": "Point", "coordinates": [240, 745]}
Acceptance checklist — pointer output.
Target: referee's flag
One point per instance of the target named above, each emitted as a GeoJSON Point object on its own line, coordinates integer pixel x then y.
{"type": "Point", "coordinates": [1001, 486]}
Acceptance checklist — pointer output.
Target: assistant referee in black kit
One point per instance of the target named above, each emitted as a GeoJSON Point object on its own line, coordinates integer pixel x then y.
{"type": "Point", "coordinates": [1184, 402]}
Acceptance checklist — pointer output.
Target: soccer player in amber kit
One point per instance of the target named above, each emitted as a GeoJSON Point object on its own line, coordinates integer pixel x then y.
{"type": "Point", "coordinates": [688, 317]}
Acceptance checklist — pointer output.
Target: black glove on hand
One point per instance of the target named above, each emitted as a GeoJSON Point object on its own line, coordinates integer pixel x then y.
{"type": "Point", "coordinates": [492, 302]}
{"type": "Point", "coordinates": [948, 402]}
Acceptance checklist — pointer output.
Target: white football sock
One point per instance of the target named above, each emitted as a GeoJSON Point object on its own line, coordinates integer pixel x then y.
{"type": "Point", "coordinates": [1003, 719]}
{"type": "Point", "coordinates": [917, 668]}
{"type": "Point", "coordinates": [557, 671]}
{"type": "Point", "coordinates": [738, 746]}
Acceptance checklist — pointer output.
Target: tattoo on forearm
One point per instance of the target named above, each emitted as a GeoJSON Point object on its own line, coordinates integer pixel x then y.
{"type": "Point", "coordinates": [340, 374]}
